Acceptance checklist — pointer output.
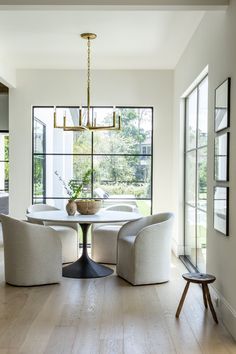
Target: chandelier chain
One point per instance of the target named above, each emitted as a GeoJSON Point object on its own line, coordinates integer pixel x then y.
{"type": "Point", "coordinates": [88, 88]}
{"type": "Point", "coordinates": [89, 61]}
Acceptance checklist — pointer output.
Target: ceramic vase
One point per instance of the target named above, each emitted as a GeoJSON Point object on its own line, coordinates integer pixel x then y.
{"type": "Point", "coordinates": [71, 207]}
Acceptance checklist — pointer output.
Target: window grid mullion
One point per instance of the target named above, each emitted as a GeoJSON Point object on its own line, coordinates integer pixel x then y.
{"type": "Point", "coordinates": [197, 149]}
{"type": "Point", "coordinates": [92, 155]}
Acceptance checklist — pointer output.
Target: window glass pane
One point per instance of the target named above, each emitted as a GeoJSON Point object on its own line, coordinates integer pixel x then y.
{"type": "Point", "coordinates": [144, 207]}
{"type": "Point", "coordinates": [134, 136]}
{"type": "Point", "coordinates": [103, 116]}
{"type": "Point", "coordinates": [202, 178]}
{"type": "Point", "coordinates": [4, 176]}
{"type": "Point", "coordinates": [4, 164]}
{"type": "Point", "coordinates": [191, 120]}
{"type": "Point", "coordinates": [4, 147]}
{"type": "Point", "coordinates": [57, 140]}
{"type": "Point", "coordinates": [39, 176]}
{"type": "Point", "coordinates": [61, 169]}
{"type": "Point", "coordinates": [56, 202]}
{"type": "Point", "coordinates": [39, 136]}
{"type": "Point", "coordinates": [203, 113]}
{"type": "Point", "coordinates": [201, 240]}
{"type": "Point", "coordinates": [4, 173]}
{"type": "Point", "coordinates": [190, 186]}
{"type": "Point", "coordinates": [190, 234]}
{"type": "Point", "coordinates": [123, 176]}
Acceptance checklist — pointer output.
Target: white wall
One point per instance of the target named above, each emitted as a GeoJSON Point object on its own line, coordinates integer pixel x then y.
{"type": "Point", "coordinates": [213, 44]}
{"type": "Point", "coordinates": [7, 74]}
{"type": "Point", "coordinates": [128, 88]}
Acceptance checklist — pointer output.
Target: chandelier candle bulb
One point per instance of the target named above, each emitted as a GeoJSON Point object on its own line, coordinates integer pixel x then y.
{"type": "Point", "coordinates": [80, 115]}
{"type": "Point", "coordinates": [54, 117]}
{"type": "Point", "coordinates": [114, 117]}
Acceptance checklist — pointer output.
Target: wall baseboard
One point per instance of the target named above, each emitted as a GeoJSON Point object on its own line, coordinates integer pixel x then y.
{"type": "Point", "coordinates": [225, 311]}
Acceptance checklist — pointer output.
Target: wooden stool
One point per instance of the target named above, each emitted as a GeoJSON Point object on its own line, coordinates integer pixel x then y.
{"type": "Point", "coordinates": [204, 280]}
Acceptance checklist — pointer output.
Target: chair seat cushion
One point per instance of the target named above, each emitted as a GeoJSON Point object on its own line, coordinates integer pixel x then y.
{"type": "Point", "coordinates": [104, 243]}
{"type": "Point", "coordinates": [108, 229]}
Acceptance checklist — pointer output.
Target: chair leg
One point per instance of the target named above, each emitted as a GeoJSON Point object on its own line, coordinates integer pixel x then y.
{"type": "Point", "coordinates": [210, 303]}
{"type": "Point", "coordinates": [204, 295]}
{"type": "Point", "coordinates": [182, 300]}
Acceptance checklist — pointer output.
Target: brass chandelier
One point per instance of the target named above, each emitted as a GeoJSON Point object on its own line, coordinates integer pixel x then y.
{"type": "Point", "coordinates": [90, 123]}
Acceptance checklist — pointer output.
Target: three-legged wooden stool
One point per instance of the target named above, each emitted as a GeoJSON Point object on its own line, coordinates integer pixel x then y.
{"type": "Point", "coordinates": [204, 280]}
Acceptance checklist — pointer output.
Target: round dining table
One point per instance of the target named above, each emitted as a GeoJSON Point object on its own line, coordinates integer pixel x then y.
{"type": "Point", "coordinates": [84, 267]}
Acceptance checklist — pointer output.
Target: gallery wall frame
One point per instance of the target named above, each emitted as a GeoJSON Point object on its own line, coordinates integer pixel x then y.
{"type": "Point", "coordinates": [222, 106]}
{"type": "Point", "coordinates": [221, 157]}
{"type": "Point", "coordinates": [221, 210]}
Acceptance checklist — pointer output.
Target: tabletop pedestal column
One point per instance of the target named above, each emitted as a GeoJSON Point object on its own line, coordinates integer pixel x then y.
{"type": "Point", "coordinates": [85, 267]}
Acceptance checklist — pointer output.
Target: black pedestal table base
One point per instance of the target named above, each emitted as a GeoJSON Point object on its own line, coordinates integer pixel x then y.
{"type": "Point", "coordinates": [85, 267]}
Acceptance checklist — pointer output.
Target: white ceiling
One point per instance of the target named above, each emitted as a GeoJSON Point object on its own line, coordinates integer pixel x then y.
{"type": "Point", "coordinates": [126, 39]}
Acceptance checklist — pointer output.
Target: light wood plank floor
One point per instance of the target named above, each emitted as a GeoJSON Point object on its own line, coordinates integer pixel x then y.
{"type": "Point", "coordinates": [108, 316]}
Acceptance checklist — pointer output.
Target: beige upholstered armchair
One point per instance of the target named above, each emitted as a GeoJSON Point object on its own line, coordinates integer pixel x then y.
{"type": "Point", "coordinates": [144, 249]}
{"type": "Point", "coordinates": [68, 232]}
{"type": "Point", "coordinates": [104, 237]}
{"type": "Point", "coordinates": [32, 253]}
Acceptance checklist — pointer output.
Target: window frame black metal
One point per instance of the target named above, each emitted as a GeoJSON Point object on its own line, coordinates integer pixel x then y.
{"type": "Point", "coordinates": [92, 153]}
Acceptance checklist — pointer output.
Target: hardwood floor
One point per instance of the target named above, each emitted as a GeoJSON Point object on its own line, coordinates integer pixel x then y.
{"type": "Point", "coordinates": [108, 316]}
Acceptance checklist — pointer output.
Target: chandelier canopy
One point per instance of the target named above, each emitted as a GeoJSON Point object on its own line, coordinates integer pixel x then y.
{"type": "Point", "coordinates": [89, 123]}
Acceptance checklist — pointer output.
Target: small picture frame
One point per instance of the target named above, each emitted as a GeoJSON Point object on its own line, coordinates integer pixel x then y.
{"type": "Point", "coordinates": [222, 157]}
{"type": "Point", "coordinates": [222, 106]}
{"type": "Point", "coordinates": [221, 210]}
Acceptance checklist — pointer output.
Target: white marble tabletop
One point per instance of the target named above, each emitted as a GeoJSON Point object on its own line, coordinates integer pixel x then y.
{"type": "Point", "coordinates": [103, 216]}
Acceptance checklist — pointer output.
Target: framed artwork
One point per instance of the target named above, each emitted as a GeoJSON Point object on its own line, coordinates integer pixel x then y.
{"type": "Point", "coordinates": [222, 106]}
{"type": "Point", "coordinates": [222, 157]}
{"type": "Point", "coordinates": [221, 210]}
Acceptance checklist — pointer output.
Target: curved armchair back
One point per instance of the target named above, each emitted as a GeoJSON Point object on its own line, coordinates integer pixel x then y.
{"type": "Point", "coordinates": [135, 227]}
{"type": "Point", "coordinates": [45, 207]}
{"type": "Point", "coordinates": [40, 207]}
{"type": "Point", "coordinates": [116, 207]}
{"type": "Point", "coordinates": [122, 207]}
{"type": "Point", "coordinates": [37, 208]}
{"type": "Point", "coordinates": [144, 249]}
{"type": "Point", "coordinates": [32, 253]}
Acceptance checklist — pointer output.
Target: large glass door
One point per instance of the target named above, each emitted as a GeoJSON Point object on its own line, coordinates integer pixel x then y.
{"type": "Point", "coordinates": [196, 175]}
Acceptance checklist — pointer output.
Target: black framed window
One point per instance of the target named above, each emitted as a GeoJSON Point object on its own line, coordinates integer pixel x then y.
{"type": "Point", "coordinates": [195, 186]}
{"type": "Point", "coordinates": [39, 161]}
{"type": "Point", "coordinates": [4, 172]}
{"type": "Point", "coordinates": [122, 160]}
